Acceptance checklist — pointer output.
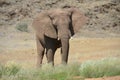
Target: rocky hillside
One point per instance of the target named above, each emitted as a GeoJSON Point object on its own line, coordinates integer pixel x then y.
{"type": "Point", "coordinates": [104, 15]}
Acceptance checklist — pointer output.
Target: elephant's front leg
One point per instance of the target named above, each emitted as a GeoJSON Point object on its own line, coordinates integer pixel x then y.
{"type": "Point", "coordinates": [64, 50]}
{"type": "Point", "coordinates": [40, 52]}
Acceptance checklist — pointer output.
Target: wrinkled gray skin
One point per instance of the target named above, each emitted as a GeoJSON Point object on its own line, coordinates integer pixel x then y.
{"type": "Point", "coordinates": [53, 30]}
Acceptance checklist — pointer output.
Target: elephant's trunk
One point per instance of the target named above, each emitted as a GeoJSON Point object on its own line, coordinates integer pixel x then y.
{"type": "Point", "coordinates": [64, 50]}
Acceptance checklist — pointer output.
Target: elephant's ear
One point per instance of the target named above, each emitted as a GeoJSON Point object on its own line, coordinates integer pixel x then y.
{"type": "Point", "coordinates": [50, 30]}
{"type": "Point", "coordinates": [43, 26]}
{"type": "Point", "coordinates": [78, 20]}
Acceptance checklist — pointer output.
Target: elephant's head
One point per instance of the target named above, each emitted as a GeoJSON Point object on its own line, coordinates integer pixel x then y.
{"type": "Point", "coordinates": [66, 22]}
{"type": "Point", "coordinates": [61, 21]}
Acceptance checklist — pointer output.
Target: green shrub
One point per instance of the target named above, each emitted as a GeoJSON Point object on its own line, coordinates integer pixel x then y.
{"type": "Point", "coordinates": [23, 27]}
{"type": "Point", "coordinates": [100, 68]}
{"type": "Point", "coordinates": [10, 69]}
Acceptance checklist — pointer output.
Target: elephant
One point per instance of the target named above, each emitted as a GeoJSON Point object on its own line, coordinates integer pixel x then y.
{"type": "Point", "coordinates": [53, 29]}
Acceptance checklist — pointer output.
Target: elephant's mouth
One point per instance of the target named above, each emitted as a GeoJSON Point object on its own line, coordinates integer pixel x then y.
{"type": "Point", "coordinates": [58, 43]}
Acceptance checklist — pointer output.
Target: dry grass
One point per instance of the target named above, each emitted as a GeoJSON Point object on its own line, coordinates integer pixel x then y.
{"type": "Point", "coordinates": [24, 51]}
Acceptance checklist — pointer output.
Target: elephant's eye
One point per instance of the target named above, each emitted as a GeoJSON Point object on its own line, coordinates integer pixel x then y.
{"type": "Point", "coordinates": [55, 26]}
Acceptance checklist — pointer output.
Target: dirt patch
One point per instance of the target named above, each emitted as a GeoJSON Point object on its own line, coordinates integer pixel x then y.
{"type": "Point", "coordinates": [106, 78]}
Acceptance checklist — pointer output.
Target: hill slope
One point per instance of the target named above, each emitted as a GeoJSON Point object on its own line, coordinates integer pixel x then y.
{"type": "Point", "coordinates": [104, 14]}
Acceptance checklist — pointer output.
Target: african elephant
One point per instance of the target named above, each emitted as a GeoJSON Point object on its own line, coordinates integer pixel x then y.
{"type": "Point", "coordinates": [53, 30]}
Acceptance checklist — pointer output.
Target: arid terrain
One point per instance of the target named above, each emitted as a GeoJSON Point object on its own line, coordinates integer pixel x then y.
{"type": "Point", "coordinates": [98, 39]}
{"type": "Point", "coordinates": [104, 17]}
{"type": "Point", "coordinates": [23, 51]}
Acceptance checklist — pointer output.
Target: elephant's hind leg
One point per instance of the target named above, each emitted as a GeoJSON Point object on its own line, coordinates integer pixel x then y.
{"type": "Point", "coordinates": [50, 55]}
{"type": "Point", "coordinates": [40, 52]}
{"type": "Point", "coordinates": [50, 49]}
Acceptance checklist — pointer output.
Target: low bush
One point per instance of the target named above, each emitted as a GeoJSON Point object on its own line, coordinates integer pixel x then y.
{"type": "Point", "coordinates": [88, 69]}
{"type": "Point", "coordinates": [8, 70]}
{"type": "Point", "coordinates": [100, 68]}
{"type": "Point", "coordinates": [23, 27]}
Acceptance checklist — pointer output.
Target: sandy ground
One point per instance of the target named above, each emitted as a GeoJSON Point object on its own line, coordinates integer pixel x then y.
{"type": "Point", "coordinates": [24, 51]}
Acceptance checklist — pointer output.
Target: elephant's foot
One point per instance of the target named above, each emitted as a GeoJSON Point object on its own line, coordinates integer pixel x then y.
{"type": "Point", "coordinates": [64, 63]}
{"type": "Point", "coordinates": [51, 64]}
{"type": "Point", "coordinates": [39, 61]}
{"type": "Point", "coordinates": [39, 64]}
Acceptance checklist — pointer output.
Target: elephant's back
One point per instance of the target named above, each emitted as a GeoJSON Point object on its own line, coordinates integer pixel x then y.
{"type": "Point", "coordinates": [39, 23]}
{"type": "Point", "coordinates": [40, 20]}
